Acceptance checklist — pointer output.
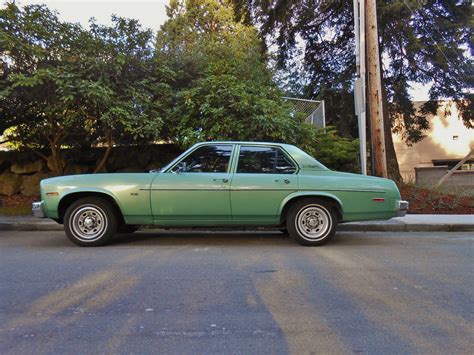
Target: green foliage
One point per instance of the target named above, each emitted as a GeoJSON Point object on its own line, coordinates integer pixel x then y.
{"type": "Point", "coordinates": [37, 92]}
{"type": "Point", "coordinates": [67, 86]}
{"type": "Point", "coordinates": [121, 88]}
{"type": "Point", "coordinates": [334, 151]}
{"type": "Point", "coordinates": [207, 78]}
{"type": "Point", "coordinates": [224, 89]}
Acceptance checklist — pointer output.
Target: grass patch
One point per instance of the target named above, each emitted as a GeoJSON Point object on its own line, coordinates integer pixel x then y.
{"type": "Point", "coordinates": [15, 211]}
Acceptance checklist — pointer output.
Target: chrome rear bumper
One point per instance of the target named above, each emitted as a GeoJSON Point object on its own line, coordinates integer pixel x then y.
{"type": "Point", "coordinates": [38, 209]}
{"type": "Point", "coordinates": [402, 208]}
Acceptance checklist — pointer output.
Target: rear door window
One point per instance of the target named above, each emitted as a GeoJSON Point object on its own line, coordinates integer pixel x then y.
{"type": "Point", "coordinates": [264, 160]}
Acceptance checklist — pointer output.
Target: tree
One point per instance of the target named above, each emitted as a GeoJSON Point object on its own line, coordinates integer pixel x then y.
{"type": "Point", "coordinates": [37, 91]}
{"type": "Point", "coordinates": [207, 78]}
{"type": "Point", "coordinates": [65, 86]}
{"type": "Point", "coordinates": [425, 42]}
{"type": "Point", "coordinates": [224, 89]}
{"type": "Point", "coordinates": [123, 90]}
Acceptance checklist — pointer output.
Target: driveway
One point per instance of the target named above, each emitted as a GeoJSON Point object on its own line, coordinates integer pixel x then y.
{"type": "Point", "coordinates": [237, 292]}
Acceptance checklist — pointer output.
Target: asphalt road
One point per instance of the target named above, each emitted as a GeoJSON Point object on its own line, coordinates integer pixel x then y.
{"type": "Point", "coordinates": [201, 292]}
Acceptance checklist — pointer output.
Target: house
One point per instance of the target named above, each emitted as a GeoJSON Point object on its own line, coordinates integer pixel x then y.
{"type": "Point", "coordinates": [446, 143]}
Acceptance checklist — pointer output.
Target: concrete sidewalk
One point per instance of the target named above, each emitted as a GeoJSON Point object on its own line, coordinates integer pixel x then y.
{"type": "Point", "coordinates": [409, 223]}
{"type": "Point", "coordinates": [416, 223]}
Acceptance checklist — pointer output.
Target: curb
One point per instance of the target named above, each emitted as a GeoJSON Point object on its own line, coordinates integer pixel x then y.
{"type": "Point", "coordinates": [30, 227]}
{"type": "Point", "coordinates": [418, 227]}
{"type": "Point", "coordinates": [353, 227]}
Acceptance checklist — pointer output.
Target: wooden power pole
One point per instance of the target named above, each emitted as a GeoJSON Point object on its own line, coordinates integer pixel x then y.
{"type": "Point", "coordinates": [374, 91]}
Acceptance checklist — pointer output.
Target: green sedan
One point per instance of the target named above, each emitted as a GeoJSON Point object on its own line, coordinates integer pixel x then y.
{"type": "Point", "coordinates": [216, 184]}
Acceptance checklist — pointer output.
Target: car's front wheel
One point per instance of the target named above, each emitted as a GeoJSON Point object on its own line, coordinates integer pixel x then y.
{"type": "Point", "coordinates": [311, 222]}
{"type": "Point", "coordinates": [90, 221]}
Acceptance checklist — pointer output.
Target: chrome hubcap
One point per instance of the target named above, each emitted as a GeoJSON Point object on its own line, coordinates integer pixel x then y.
{"type": "Point", "coordinates": [313, 222]}
{"type": "Point", "coordinates": [88, 223]}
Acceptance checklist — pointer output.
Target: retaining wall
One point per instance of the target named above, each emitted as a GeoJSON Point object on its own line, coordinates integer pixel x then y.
{"type": "Point", "coordinates": [21, 172]}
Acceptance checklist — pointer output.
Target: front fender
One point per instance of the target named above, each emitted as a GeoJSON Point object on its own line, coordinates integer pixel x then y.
{"type": "Point", "coordinates": [98, 190]}
{"type": "Point", "coordinates": [52, 202]}
{"type": "Point", "coordinates": [309, 194]}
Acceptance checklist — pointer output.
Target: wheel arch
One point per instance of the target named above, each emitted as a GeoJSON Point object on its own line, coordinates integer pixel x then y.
{"type": "Point", "coordinates": [70, 198]}
{"type": "Point", "coordinates": [291, 199]}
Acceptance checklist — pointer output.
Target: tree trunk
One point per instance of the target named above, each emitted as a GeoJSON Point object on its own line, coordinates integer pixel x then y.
{"type": "Point", "coordinates": [56, 159]}
{"type": "Point", "coordinates": [393, 169]}
{"type": "Point", "coordinates": [55, 147]}
{"type": "Point", "coordinates": [106, 154]}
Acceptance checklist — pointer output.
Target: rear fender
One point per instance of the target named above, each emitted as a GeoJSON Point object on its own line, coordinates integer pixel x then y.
{"type": "Point", "coordinates": [299, 194]}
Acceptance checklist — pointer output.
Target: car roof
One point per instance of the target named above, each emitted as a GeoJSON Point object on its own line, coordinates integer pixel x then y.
{"type": "Point", "coordinates": [302, 158]}
{"type": "Point", "coordinates": [245, 143]}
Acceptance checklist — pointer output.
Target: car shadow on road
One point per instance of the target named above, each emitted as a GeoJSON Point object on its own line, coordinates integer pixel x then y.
{"type": "Point", "coordinates": [236, 238]}
{"type": "Point", "coordinates": [202, 238]}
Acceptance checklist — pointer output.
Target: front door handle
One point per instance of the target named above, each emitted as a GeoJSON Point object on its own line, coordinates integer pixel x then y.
{"type": "Point", "coordinates": [223, 180]}
{"type": "Point", "coordinates": [286, 181]}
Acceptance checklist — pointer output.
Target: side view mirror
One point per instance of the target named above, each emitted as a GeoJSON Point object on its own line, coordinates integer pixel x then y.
{"type": "Point", "coordinates": [181, 167]}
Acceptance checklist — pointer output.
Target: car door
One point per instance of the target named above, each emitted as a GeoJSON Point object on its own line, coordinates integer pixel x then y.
{"type": "Point", "coordinates": [263, 177]}
{"type": "Point", "coordinates": [195, 191]}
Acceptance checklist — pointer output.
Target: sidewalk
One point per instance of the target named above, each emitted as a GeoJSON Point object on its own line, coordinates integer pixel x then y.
{"type": "Point", "coordinates": [416, 223]}
{"type": "Point", "coordinates": [409, 223]}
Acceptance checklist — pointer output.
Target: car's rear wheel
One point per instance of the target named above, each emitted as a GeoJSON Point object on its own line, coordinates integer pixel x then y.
{"type": "Point", "coordinates": [90, 221]}
{"type": "Point", "coordinates": [311, 222]}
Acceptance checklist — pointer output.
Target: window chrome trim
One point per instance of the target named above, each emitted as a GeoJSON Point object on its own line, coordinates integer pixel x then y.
{"type": "Point", "coordinates": [197, 146]}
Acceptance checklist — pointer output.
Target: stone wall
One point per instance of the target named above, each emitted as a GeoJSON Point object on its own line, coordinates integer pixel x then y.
{"type": "Point", "coordinates": [21, 172]}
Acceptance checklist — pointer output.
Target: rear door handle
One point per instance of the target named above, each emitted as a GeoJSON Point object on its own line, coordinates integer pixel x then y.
{"type": "Point", "coordinates": [286, 181]}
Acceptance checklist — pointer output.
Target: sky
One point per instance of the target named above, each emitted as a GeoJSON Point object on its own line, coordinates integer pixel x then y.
{"type": "Point", "coordinates": [150, 13]}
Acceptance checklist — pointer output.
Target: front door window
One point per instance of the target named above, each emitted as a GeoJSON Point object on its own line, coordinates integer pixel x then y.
{"type": "Point", "coordinates": [207, 159]}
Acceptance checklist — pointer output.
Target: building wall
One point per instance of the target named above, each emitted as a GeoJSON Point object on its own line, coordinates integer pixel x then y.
{"type": "Point", "coordinates": [447, 138]}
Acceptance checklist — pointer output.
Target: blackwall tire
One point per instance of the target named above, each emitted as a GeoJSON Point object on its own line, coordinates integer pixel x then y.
{"type": "Point", "coordinates": [311, 222]}
{"type": "Point", "coordinates": [90, 222]}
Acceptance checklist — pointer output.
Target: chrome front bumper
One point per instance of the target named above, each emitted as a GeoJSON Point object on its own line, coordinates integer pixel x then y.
{"type": "Point", "coordinates": [38, 209]}
{"type": "Point", "coordinates": [402, 208]}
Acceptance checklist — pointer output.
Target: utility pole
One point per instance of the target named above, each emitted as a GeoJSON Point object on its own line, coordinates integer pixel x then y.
{"type": "Point", "coordinates": [374, 91]}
